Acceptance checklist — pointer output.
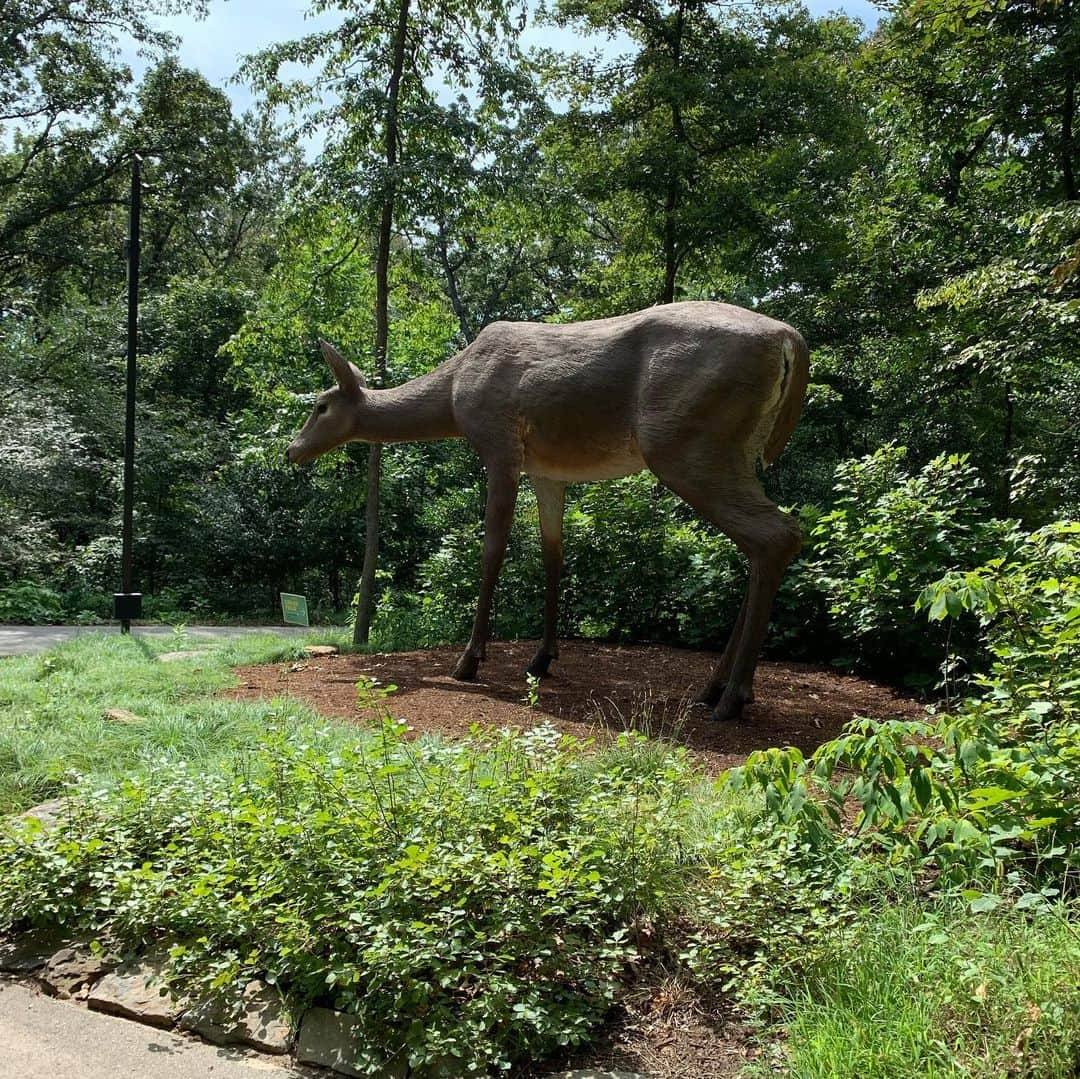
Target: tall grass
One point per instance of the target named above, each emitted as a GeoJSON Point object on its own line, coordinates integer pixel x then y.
{"type": "Point", "coordinates": [940, 993]}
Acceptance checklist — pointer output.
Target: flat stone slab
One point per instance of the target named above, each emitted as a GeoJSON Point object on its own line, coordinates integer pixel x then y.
{"type": "Point", "coordinates": [134, 992]}
{"type": "Point", "coordinates": [26, 954]}
{"type": "Point", "coordinates": [70, 969]}
{"type": "Point", "coordinates": [261, 1023]}
{"type": "Point", "coordinates": [315, 650]}
{"type": "Point", "coordinates": [47, 814]}
{"type": "Point", "coordinates": [331, 1039]}
{"type": "Point", "coordinates": [175, 657]}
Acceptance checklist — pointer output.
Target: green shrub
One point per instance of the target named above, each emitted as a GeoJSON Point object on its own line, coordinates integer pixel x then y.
{"type": "Point", "coordinates": [472, 904]}
{"type": "Point", "coordinates": [638, 566]}
{"type": "Point", "coordinates": [24, 601]}
{"type": "Point", "coordinates": [991, 792]}
{"type": "Point", "coordinates": [641, 566]}
{"type": "Point", "coordinates": [768, 903]}
{"type": "Point", "coordinates": [889, 535]}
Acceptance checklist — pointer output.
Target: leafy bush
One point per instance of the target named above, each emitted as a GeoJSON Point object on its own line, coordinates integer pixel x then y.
{"type": "Point", "coordinates": [768, 903]}
{"type": "Point", "coordinates": [1028, 606]}
{"type": "Point", "coordinates": [449, 580]}
{"type": "Point", "coordinates": [991, 792]}
{"type": "Point", "coordinates": [641, 566]}
{"type": "Point", "coordinates": [472, 904]}
{"type": "Point", "coordinates": [24, 601]}
{"type": "Point", "coordinates": [890, 535]}
{"type": "Point", "coordinates": [638, 566]}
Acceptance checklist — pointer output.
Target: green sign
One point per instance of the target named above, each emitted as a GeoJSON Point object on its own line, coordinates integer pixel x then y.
{"type": "Point", "coordinates": [294, 609]}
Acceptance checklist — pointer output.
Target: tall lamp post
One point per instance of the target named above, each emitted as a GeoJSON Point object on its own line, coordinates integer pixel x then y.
{"type": "Point", "coordinates": [128, 604]}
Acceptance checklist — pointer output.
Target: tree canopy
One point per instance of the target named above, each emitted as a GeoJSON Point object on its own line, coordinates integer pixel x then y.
{"type": "Point", "coordinates": [907, 198]}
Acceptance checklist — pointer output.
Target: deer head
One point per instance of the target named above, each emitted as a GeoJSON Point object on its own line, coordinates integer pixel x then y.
{"type": "Point", "coordinates": [333, 420]}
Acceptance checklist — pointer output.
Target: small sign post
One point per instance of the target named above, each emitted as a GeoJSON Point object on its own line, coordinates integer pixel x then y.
{"type": "Point", "coordinates": [294, 609]}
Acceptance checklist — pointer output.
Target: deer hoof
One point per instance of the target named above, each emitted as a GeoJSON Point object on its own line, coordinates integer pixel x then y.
{"type": "Point", "coordinates": [539, 666]}
{"type": "Point", "coordinates": [710, 696]}
{"type": "Point", "coordinates": [466, 668]}
{"type": "Point", "coordinates": [730, 707]}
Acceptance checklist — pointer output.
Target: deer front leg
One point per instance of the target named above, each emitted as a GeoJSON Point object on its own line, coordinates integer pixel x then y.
{"type": "Point", "coordinates": [550, 501]}
{"type": "Point", "coordinates": [502, 492]}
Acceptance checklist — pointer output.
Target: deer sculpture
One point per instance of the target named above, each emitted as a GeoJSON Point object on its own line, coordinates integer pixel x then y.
{"type": "Point", "coordinates": [699, 393]}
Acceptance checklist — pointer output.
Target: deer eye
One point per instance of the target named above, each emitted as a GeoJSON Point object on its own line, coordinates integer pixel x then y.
{"type": "Point", "coordinates": [320, 409]}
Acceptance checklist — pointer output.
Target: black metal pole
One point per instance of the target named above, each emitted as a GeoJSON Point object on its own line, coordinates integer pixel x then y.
{"type": "Point", "coordinates": [130, 607]}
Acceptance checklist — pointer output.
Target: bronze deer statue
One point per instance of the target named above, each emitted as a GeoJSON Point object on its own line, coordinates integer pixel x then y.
{"type": "Point", "coordinates": [699, 393]}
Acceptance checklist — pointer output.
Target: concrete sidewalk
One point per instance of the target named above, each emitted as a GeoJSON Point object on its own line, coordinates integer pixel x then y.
{"type": "Point", "coordinates": [43, 1038]}
{"type": "Point", "coordinates": [25, 640]}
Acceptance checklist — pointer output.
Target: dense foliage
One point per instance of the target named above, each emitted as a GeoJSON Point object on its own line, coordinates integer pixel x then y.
{"type": "Point", "coordinates": [500, 934]}
{"type": "Point", "coordinates": [989, 793]}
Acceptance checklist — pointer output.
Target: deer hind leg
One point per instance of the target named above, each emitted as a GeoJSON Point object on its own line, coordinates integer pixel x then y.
{"type": "Point", "coordinates": [502, 489]}
{"type": "Point", "coordinates": [732, 499]}
{"type": "Point", "coordinates": [718, 679]}
{"type": "Point", "coordinates": [550, 501]}
{"type": "Point", "coordinates": [770, 539]}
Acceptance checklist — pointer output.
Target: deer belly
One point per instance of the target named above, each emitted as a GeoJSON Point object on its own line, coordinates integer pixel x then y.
{"type": "Point", "coordinates": [578, 464]}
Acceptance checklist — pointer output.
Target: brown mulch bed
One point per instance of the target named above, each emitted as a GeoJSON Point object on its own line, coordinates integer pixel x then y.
{"type": "Point", "coordinates": [593, 691]}
{"type": "Point", "coordinates": [667, 1036]}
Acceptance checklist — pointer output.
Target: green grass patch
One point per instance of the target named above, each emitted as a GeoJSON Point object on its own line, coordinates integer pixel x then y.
{"type": "Point", "coordinates": [52, 709]}
{"type": "Point", "coordinates": [942, 993]}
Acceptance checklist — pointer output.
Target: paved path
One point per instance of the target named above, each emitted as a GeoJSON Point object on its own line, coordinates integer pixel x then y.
{"type": "Point", "coordinates": [23, 640]}
{"type": "Point", "coordinates": [42, 1038]}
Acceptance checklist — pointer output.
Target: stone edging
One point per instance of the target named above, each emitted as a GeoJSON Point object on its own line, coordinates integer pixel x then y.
{"type": "Point", "coordinates": [137, 990]}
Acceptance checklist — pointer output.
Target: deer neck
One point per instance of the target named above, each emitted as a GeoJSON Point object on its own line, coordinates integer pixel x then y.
{"type": "Point", "coordinates": [416, 411]}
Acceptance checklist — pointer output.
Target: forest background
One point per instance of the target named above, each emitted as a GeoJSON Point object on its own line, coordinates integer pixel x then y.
{"type": "Point", "coordinates": [907, 198]}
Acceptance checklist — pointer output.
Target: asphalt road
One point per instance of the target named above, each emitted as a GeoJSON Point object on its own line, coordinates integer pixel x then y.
{"type": "Point", "coordinates": [24, 640]}
{"type": "Point", "coordinates": [42, 1038]}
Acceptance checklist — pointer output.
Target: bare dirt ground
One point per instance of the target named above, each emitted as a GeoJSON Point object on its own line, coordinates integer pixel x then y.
{"type": "Point", "coordinates": [594, 691]}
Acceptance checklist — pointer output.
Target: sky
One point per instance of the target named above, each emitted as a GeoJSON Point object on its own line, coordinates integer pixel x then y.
{"type": "Point", "coordinates": [233, 29]}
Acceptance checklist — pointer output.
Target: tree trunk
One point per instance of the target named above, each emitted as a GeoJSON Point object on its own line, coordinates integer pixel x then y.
{"type": "Point", "coordinates": [671, 201]}
{"type": "Point", "coordinates": [365, 607]}
{"type": "Point", "coordinates": [1068, 174]}
{"type": "Point", "coordinates": [670, 253]}
{"type": "Point", "coordinates": [1006, 446]}
{"type": "Point", "coordinates": [450, 274]}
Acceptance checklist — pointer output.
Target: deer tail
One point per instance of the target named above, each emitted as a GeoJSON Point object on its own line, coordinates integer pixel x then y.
{"type": "Point", "coordinates": [795, 374]}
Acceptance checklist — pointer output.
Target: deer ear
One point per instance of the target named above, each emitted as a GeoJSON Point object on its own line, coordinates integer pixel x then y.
{"type": "Point", "coordinates": [347, 374]}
